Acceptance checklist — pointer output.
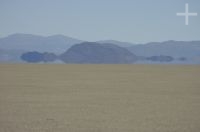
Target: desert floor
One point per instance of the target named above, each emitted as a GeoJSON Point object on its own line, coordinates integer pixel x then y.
{"type": "Point", "coordinates": [99, 98]}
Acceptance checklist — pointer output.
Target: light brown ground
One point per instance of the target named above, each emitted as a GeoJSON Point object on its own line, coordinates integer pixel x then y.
{"type": "Point", "coordinates": [99, 98]}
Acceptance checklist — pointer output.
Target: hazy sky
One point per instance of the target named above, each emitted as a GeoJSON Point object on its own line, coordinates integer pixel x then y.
{"type": "Point", "coordinates": [136, 21]}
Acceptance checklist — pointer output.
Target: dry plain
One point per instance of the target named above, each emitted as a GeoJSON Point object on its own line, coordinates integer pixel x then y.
{"type": "Point", "coordinates": [99, 98]}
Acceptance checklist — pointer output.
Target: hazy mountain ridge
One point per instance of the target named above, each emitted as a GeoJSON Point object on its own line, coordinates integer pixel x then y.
{"type": "Point", "coordinates": [172, 48]}
{"type": "Point", "coordinates": [13, 46]}
{"type": "Point", "coordinates": [189, 50]}
{"type": "Point", "coordinates": [29, 42]}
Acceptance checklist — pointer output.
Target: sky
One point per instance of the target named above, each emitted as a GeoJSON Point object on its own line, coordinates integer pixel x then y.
{"type": "Point", "coordinates": [136, 21]}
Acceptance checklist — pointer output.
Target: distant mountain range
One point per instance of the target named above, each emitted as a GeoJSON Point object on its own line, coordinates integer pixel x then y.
{"type": "Point", "coordinates": [105, 51]}
{"type": "Point", "coordinates": [184, 52]}
{"type": "Point", "coordinates": [29, 42]}
{"type": "Point", "coordinates": [172, 48]}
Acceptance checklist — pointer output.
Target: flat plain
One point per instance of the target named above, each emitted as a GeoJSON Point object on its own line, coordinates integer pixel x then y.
{"type": "Point", "coordinates": [99, 98]}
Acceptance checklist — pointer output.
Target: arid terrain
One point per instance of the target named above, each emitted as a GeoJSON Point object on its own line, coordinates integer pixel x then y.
{"type": "Point", "coordinates": [99, 98]}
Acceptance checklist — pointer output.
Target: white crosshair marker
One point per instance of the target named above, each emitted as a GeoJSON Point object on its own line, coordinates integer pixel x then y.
{"type": "Point", "coordinates": [186, 14]}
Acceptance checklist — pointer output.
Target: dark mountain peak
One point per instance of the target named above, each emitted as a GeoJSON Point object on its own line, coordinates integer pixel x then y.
{"type": "Point", "coordinates": [95, 53]}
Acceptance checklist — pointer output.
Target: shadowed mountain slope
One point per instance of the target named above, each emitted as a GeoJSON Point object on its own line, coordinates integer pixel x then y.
{"type": "Point", "coordinates": [95, 53]}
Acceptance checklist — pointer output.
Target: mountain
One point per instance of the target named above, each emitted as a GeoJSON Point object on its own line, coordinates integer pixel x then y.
{"type": "Point", "coordinates": [171, 48]}
{"type": "Point", "coordinates": [183, 52]}
{"type": "Point", "coordinates": [95, 53]}
{"type": "Point", "coordinates": [119, 43]}
{"type": "Point", "coordinates": [29, 42]}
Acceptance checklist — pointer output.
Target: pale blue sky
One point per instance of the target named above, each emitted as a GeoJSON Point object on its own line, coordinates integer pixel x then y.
{"type": "Point", "coordinates": [136, 21]}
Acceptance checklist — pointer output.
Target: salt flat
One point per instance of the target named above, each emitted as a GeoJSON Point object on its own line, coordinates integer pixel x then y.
{"type": "Point", "coordinates": [99, 98]}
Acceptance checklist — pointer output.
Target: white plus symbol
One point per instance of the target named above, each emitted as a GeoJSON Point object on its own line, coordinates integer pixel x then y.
{"type": "Point", "coordinates": [186, 14]}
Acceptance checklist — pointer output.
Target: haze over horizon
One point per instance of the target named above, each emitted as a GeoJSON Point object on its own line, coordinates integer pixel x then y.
{"type": "Point", "coordinates": [137, 21]}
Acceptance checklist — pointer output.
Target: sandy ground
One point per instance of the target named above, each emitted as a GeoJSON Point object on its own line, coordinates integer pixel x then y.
{"type": "Point", "coordinates": [99, 98]}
